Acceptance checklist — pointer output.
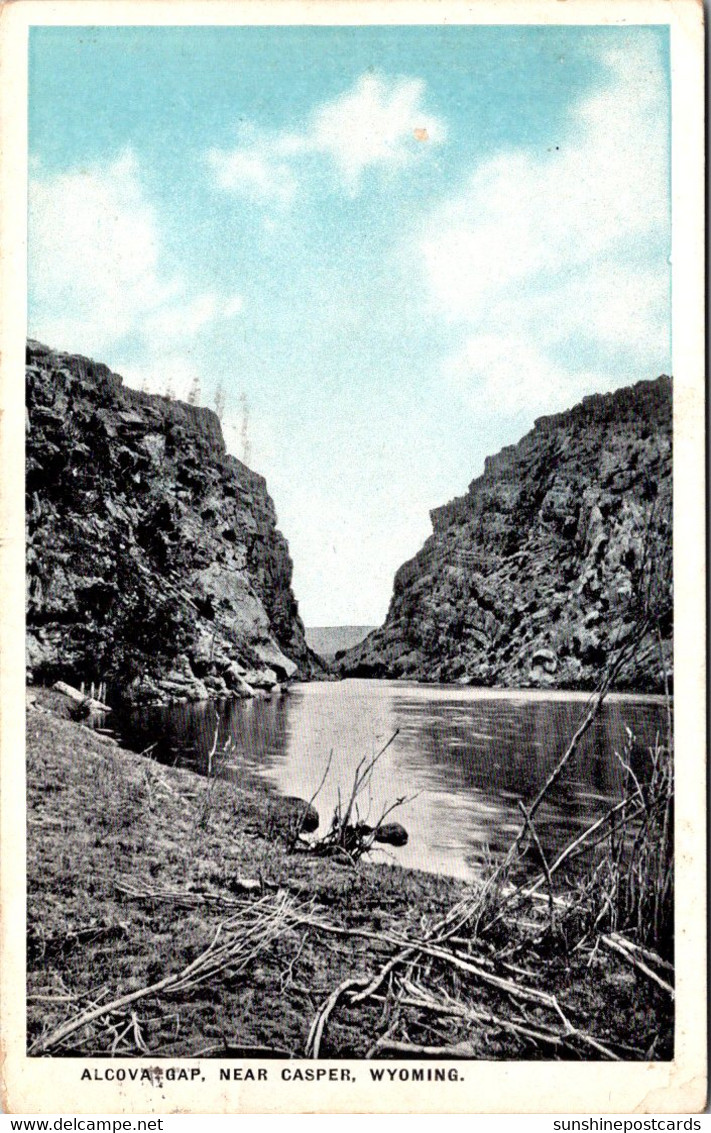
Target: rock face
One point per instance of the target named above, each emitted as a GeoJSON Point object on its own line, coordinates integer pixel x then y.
{"type": "Point", "coordinates": [558, 553]}
{"type": "Point", "coordinates": [153, 558]}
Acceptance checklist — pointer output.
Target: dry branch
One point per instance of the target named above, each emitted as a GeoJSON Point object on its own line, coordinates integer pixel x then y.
{"type": "Point", "coordinates": [648, 954]}
{"type": "Point", "coordinates": [313, 1042]}
{"type": "Point", "coordinates": [393, 1046]}
{"type": "Point", "coordinates": [348, 837]}
{"type": "Point", "coordinates": [417, 997]}
{"type": "Point", "coordinates": [244, 938]}
{"type": "Point", "coordinates": [537, 842]}
{"type": "Point", "coordinates": [618, 945]}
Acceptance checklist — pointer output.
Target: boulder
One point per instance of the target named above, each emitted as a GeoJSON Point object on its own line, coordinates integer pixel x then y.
{"type": "Point", "coordinates": [546, 659]}
{"type": "Point", "coordinates": [264, 679]}
{"type": "Point", "coordinates": [391, 834]}
{"type": "Point", "coordinates": [302, 812]}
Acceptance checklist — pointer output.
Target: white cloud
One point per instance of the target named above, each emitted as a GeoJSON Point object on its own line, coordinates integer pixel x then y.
{"type": "Point", "coordinates": [378, 123]}
{"type": "Point", "coordinates": [232, 306]}
{"type": "Point", "coordinates": [181, 320]}
{"type": "Point", "coordinates": [562, 254]}
{"type": "Point", "coordinates": [97, 266]}
{"type": "Point", "coordinates": [93, 255]}
{"type": "Point", "coordinates": [499, 370]}
{"type": "Point", "coordinates": [259, 176]}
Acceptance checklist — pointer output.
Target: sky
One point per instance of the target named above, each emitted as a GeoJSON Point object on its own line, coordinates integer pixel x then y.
{"type": "Point", "coordinates": [395, 246]}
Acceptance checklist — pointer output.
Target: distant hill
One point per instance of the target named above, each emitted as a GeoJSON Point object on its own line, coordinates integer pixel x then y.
{"type": "Point", "coordinates": [329, 640]}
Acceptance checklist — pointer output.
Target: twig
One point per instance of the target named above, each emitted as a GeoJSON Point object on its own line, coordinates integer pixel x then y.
{"type": "Point", "coordinates": [68, 1028]}
{"type": "Point", "coordinates": [137, 1034]}
{"type": "Point", "coordinates": [244, 942]}
{"type": "Point", "coordinates": [360, 778]}
{"type": "Point", "coordinates": [588, 719]}
{"type": "Point", "coordinates": [313, 1042]}
{"type": "Point", "coordinates": [518, 991]}
{"type": "Point", "coordinates": [563, 856]}
{"type": "Point", "coordinates": [667, 697]}
{"type": "Point", "coordinates": [616, 946]}
{"type": "Point", "coordinates": [318, 790]}
{"type": "Point", "coordinates": [461, 1050]}
{"type": "Point", "coordinates": [627, 767]}
{"type": "Point", "coordinates": [551, 899]}
{"type": "Point", "coordinates": [287, 976]}
{"type": "Point", "coordinates": [463, 912]}
{"type": "Point", "coordinates": [213, 749]}
{"type": "Point", "coordinates": [305, 810]}
{"type": "Point", "coordinates": [653, 957]}
{"type": "Point", "coordinates": [419, 998]}
{"type": "Point", "coordinates": [384, 973]}
{"type": "Point", "coordinates": [242, 1050]}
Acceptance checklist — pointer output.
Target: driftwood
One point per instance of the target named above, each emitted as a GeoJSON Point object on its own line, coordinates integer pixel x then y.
{"type": "Point", "coordinates": [254, 925]}
{"type": "Point", "coordinates": [234, 945]}
{"type": "Point", "coordinates": [79, 698]}
{"type": "Point", "coordinates": [356, 990]}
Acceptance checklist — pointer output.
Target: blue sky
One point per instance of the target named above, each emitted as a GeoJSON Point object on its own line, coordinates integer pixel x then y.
{"type": "Point", "coordinates": [399, 245]}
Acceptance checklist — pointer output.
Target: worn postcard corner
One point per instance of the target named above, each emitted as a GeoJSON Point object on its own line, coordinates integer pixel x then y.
{"type": "Point", "coordinates": [353, 653]}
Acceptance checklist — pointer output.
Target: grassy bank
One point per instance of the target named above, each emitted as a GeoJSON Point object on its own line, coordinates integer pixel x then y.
{"type": "Point", "coordinates": [147, 877]}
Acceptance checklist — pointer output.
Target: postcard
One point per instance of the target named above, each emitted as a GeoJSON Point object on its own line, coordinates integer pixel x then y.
{"type": "Point", "coordinates": [353, 664]}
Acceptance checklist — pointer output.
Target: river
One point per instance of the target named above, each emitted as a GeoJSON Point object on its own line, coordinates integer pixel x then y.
{"type": "Point", "coordinates": [461, 759]}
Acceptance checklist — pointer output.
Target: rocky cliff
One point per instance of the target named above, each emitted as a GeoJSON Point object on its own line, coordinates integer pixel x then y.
{"type": "Point", "coordinates": [153, 558]}
{"type": "Point", "coordinates": [556, 555]}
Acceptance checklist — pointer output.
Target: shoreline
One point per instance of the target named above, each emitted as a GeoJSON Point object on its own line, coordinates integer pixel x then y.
{"type": "Point", "coordinates": [482, 692]}
{"type": "Point", "coordinates": [132, 866]}
{"type": "Point", "coordinates": [495, 692]}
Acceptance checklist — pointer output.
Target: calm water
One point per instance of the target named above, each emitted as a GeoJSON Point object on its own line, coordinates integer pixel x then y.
{"type": "Point", "coordinates": [467, 754]}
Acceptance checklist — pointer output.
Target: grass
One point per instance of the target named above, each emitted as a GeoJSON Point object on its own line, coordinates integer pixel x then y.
{"type": "Point", "coordinates": [629, 888]}
{"type": "Point", "coordinates": [133, 867]}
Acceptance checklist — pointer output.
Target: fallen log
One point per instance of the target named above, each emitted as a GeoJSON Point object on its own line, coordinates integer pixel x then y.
{"type": "Point", "coordinates": [79, 698]}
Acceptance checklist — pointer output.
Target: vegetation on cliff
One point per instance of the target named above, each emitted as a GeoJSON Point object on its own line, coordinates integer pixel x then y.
{"type": "Point", "coordinates": [546, 566]}
{"type": "Point", "coordinates": [153, 558]}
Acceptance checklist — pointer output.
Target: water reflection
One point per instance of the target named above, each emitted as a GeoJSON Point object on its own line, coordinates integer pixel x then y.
{"type": "Point", "coordinates": [467, 755]}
